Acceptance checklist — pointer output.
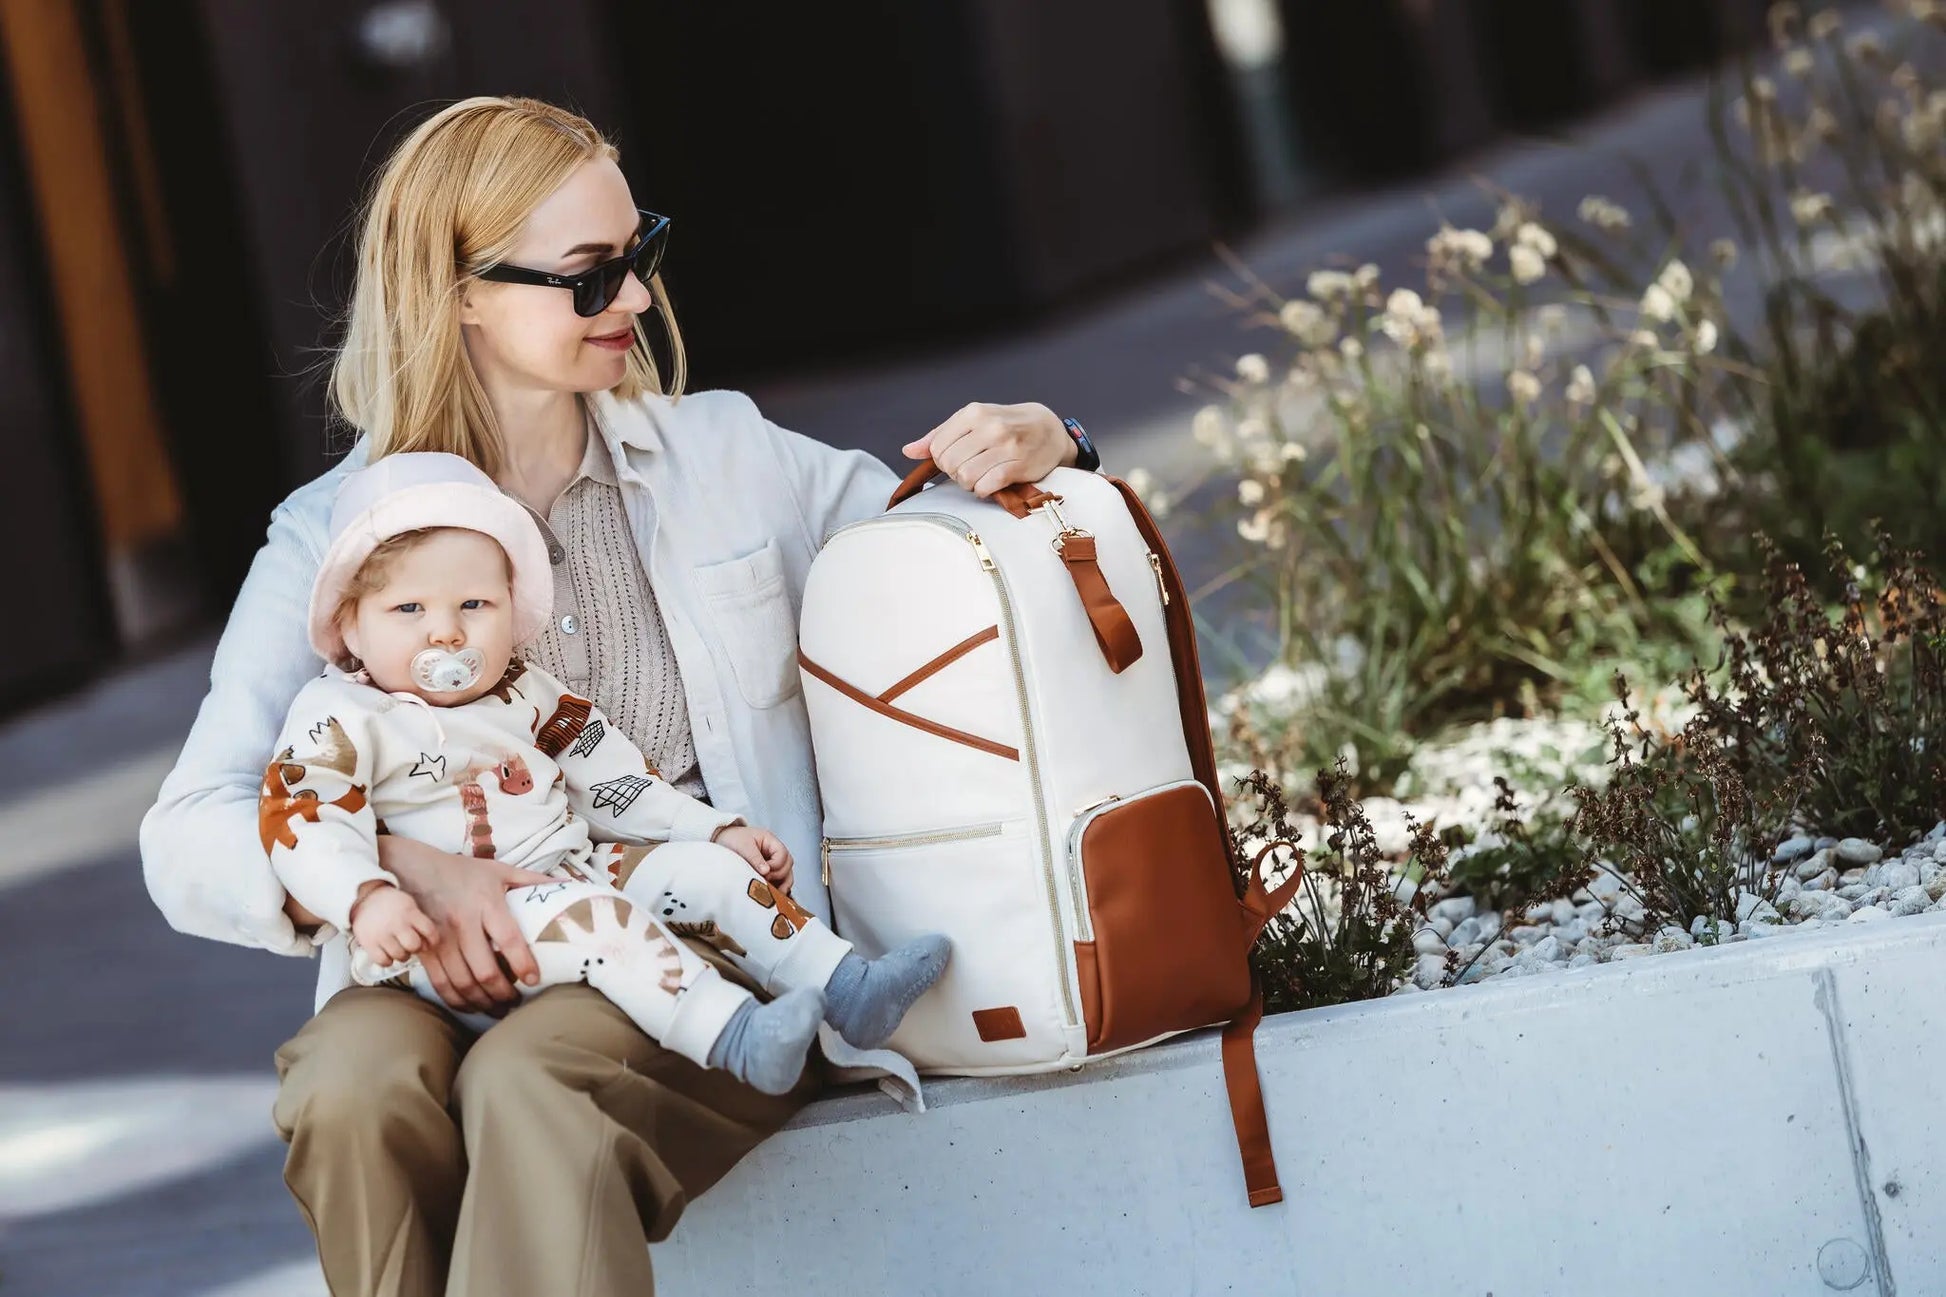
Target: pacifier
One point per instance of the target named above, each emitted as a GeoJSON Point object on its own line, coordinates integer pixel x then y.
{"type": "Point", "coordinates": [442, 671]}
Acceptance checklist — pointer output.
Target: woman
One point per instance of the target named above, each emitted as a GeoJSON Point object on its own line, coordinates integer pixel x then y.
{"type": "Point", "coordinates": [544, 1157]}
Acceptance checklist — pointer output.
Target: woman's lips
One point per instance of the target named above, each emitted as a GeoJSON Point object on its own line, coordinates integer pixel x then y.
{"type": "Point", "coordinates": [615, 341]}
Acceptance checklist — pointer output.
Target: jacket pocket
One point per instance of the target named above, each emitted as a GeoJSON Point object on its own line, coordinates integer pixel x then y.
{"type": "Point", "coordinates": [750, 605]}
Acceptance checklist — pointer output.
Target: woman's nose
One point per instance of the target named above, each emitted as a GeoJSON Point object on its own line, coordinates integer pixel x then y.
{"type": "Point", "coordinates": [634, 298]}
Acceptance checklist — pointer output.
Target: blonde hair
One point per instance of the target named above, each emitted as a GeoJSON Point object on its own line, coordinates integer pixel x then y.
{"type": "Point", "coordinates": [448, 203]}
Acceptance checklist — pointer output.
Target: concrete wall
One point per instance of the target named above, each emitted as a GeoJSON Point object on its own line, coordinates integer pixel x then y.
{"type": "Point", "coordinates": [1758, 1120]}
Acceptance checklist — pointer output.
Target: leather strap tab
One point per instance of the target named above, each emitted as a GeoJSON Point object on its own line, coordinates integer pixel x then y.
{"type": "Point", "coordinates": [1019, 499]}
{"type": "Point", "coordinates": [1260, 905]}
{"type": "Point", "coordinates": [1114, 632]}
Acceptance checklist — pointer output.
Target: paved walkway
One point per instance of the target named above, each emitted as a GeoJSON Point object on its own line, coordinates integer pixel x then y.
{"type": "Point", "coordinates": [136, 1154]}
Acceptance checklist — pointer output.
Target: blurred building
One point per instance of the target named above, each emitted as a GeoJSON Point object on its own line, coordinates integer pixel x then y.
{"type": "Point", "coordinates": [178, 179]}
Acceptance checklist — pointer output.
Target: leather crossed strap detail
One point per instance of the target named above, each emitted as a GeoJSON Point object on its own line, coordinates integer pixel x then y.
{"type": "Point", "coordinates": [1115, 633]}
{"type": "Point", "coordinates": [884, 707]}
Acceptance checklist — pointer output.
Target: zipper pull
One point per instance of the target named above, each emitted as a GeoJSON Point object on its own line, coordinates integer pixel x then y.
{"type": "Point", "coordinates": [979, 547]}
{"type": "Point", "coordinates": [824, 853]}
{"type": "Point", "coordinates": [1155, 565]}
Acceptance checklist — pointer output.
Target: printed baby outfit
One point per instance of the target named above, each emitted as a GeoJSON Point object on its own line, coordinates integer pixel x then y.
{"type": "Point", "coordinates": [523, 774]}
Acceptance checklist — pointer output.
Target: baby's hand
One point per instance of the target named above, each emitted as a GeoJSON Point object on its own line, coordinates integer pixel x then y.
{"type": "Point", "coordinates": [389, 924]}
{"type": "Point", "coordinates": [764, 850]}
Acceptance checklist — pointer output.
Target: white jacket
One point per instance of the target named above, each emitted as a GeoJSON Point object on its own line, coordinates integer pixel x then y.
{"type": "Point", "coordinates": [728, 511]}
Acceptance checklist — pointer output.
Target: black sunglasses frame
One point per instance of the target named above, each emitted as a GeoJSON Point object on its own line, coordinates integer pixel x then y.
{"type": "Point", "coordinates": [597, 287]}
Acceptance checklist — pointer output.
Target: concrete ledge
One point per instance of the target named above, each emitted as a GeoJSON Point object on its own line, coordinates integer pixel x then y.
{"type": "Point", "coordinates": [1753, 1120]}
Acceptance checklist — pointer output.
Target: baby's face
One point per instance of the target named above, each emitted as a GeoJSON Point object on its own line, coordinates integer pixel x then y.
{"type": "Point", "coordinates": [449, 591]}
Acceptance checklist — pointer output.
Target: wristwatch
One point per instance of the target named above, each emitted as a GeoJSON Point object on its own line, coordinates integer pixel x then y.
{"type": "Point", "coordinates": [1088, 458]}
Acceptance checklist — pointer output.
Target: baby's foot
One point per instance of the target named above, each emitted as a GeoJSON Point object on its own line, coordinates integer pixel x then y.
{"type": "Point", "coordinates": [766, 1044]}
{"type": "Point", "coordinates": [867, 999]}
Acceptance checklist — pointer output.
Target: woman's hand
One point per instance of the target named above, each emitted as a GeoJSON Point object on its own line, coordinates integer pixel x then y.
{"type": "Point", "coordinates": [479, 946]}
{"type": "Point", "coordinates": [984, 447]}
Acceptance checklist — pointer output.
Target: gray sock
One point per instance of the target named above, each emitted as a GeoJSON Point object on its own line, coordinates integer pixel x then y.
{"type": "Point", "coordinates": [866, 999]}
{"type": "Point", "coordinates": [765, 1044]}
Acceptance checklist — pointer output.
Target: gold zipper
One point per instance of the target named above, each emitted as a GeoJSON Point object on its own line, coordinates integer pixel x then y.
{"type": "Point", "coordinates": [1155, 565]}
{"type": "Point", "coordinates": [933, 838]}
{"type": "Point", "coordinates": [1033, 774]}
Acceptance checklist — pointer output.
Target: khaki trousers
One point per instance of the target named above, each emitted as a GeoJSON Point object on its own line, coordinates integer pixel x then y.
{"type": "Point", "coordinates": [543, 1156]}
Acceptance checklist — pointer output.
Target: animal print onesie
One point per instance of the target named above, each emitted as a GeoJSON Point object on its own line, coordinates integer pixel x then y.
{"type": "Point", "coordinates": [528, 774]}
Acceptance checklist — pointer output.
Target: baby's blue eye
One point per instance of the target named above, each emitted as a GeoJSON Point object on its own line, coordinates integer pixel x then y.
{"type": "Point", "coordinates": [407, 607]}
{"type": "Point", "coordinates": [473, 604]}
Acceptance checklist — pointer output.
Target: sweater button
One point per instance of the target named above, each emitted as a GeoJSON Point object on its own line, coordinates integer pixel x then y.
{"type": "Point", "coordinates": [570, 624]}
{"type": "Point", "coordinates": [555, 553]}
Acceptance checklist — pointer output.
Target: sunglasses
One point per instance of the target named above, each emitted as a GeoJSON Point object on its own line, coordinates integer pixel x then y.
{"type": "Point", "coordinates": [598, 286]}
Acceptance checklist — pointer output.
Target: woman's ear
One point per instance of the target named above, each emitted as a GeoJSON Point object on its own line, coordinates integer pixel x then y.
{"type": "Point", "coordinates": [469, 307]}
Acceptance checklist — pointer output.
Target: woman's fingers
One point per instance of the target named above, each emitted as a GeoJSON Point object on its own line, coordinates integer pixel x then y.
{"type": "Point", "coordinates": [477, 949]}
{"type": "Point", "coordinates": [462, 989]}
{"type": "Point", "coordinates": [513, 947]}
{"type": "Point", "coordinates": [525, 878]}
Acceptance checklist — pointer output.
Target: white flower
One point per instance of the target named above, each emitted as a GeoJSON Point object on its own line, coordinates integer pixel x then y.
{"type": "Point", "coordinates": [1645, 338]}
{"type": "Point", "coordinates": [1327, 284]}
{"type": "Point", "coordinates": [1469, 249]}
{"type": "Point", "coordinates": [1603, 214]}
{"type": "Point", "coordinates": [1438, 364]}
{"type": "Point", "coordinates": [1351, 348]}
{"type": "Point", "coordinates": [1294, 452]}
{"type": "Point", "coordinates": [1676, 280]}
{"type": "Point", "coordinates": [1705, 337]}
{"type": "Point", "coordinates": [1724, 252]}
{"type": "Point", "coordinates": [1825, 24]}
{"type": "Point", "coordinates": [1553, 317]}
{"type": "Point", "coordinates": [1250, 492]}
{"type": "Point", "coordinates": [1535, 236]}
{"type": "Point", "coordinates": [1533, 351]}
{"type": "Point", "coordinates": [1799, 63]}
{"type": "Point", "coordinates": [1403, 304]}
{"type": "Point", "coordinates": [1763, 89]}
{"type": "Point", "coordinates": [1140, 481]}
{"type": "Point", "coordinates": [1366, 275]}
{"type": "Point", "coordinates": [1158, 503]}
{"type": "Point", "coordinates": [1309, 323]}
{"type": "Point", "coordinates": [1808, 208]}
{"type": "Point", "coordinates": [1253, 368]}
{"type": "Point", "coordinates": [1255, 528]}
{"type": "Point", "coordinates": [1527, 264]}
{"type": "Point", "coordinates": [1581, 386]}
{"type": "Point", "coordinates": [1822, 124]}
{"type": "Point", "coordinates": [1523, 386]}
{"type": "Point", "coordinates": [1252, 430]}
{"type": "Point", "coordinates": [1210, 426]}
{"type": "Point", "coordinates": [1658, 304]}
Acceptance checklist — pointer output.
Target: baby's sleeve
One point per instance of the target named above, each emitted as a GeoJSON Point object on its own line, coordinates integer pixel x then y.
{"type": "Point", "coordinates": [610, 783]}
{"type": "Point", "coordinates": [315, 813]}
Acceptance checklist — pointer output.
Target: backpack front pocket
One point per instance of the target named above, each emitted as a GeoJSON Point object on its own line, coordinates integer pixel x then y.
{"type": "Point", "coordinates": [999, 1003]}
{"type": "Point", "coordinates": [1165, 948]}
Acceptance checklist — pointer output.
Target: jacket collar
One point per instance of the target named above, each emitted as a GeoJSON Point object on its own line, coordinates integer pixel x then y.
{"type": "Point", "coordinates": [635, 424]}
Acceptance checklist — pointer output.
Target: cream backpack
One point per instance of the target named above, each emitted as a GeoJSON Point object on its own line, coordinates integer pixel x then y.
{"type": "Point", "coordinates": [1013, 748]}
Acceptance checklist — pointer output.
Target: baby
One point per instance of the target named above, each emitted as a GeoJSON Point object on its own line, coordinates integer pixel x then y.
{"type": "Point", "coordinates": [427, 726]}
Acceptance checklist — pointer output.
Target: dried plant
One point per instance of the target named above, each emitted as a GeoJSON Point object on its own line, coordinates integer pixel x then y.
{"type": "Point", "coordinates": [1348, 935]}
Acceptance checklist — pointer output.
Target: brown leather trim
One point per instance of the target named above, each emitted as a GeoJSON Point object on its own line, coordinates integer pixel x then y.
{"type": "Point", "coordinates": [890, 712]}
{"type": "Point", "coordinates": [999, 1024]}
{"type": "Point", "coordinates": [1120, 645]}
{"type": "Point", "coordinates": [1088, 973]}
{"type": "Point", "coordinates": [1247, 1105]}
{"type": "Point", "coordinates": [1182, 649]}
{"type": "Point", "coordinates": [941, 662]}
{"type": "Point", "coordinates": [1019, 499]}
{"type": "Point", "coordinates": [1159, 880]}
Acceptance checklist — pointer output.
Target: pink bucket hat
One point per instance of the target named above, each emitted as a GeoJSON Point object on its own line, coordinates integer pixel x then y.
{"type": "Point", "coordinates": [410, 491]}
